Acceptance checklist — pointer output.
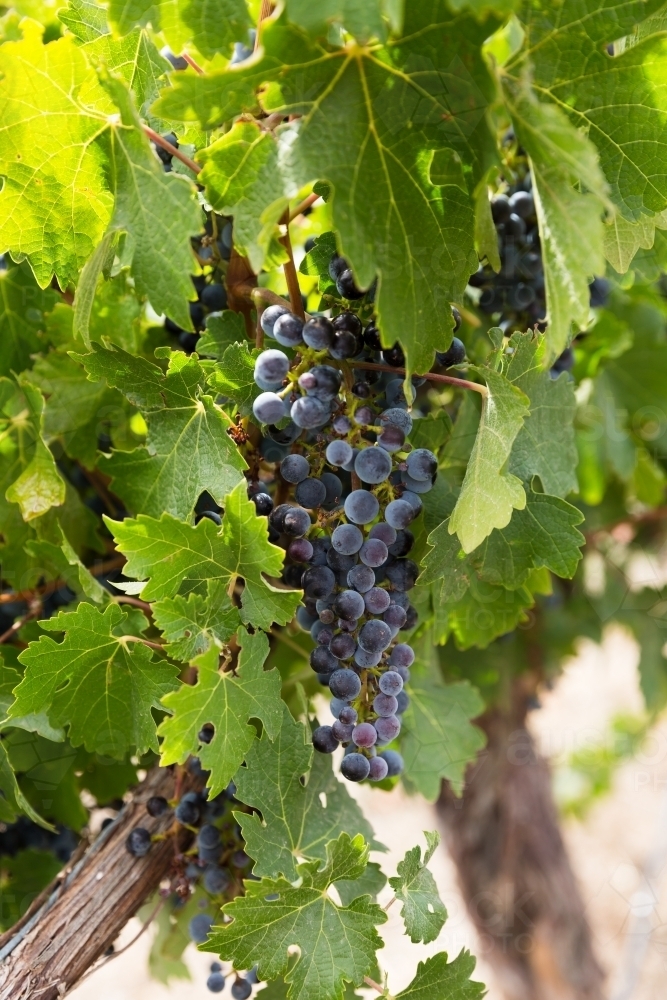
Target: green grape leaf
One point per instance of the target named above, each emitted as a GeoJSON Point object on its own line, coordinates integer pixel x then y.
{"type": "Point", "coordinates": [569, 66]}
{"type": "Point", "coordinates": [423, 911]}
{"type": "Point", "coordinates": [242, 178]}
{"type": "Point", "coordinates": [25, 875]}
{"type": "Point", "coordinates": [292, 820]}
{"type": "Point", "coordinates": [96, 682]}
{"type": "Point", "coordinates": [135, 58]}
{"type": "Point", "coordinates": [22, 307]}
{"type": "Point", "coordinates": [222, 330]}
{"type": "Point", "coordinates": [29, 472]}
{"type": "Point", "coordinates": [438, 979]}
{"type": "Point", "coordinates": [187, 450]}
{"type": "Point", "coordinates": [227, 700]}
{"type": "Point", "coordinates": [47, 776]}
{"type": "Point", "coordinates": [169, 551]}
{"type": "Point", "coordinates": [211, 27]}
{"type": "Point", "coordinates": [570, 223]}
{"type": "Point", "coordinates": [336, 944]}
{"type": "Point", "coordinates": [60, 562]}
{"type": "Point", "coordinates": [234, 376]}
{"type": "Point", "coordinates": [54, 205]}
{"type": "Point", "coordinates": [156, 210]}
{"type": "Point", "coordinates": [438, 740]}
{"type": "Point", "coordinates": [542, 534]}
{"type": "Point", "coordinates": [386, 207]}
{"type": "Point", "coordinates": [363, 20]}
{"type": "Point", "coordinates": [316, 261]}
{"type": "Point", "coordinates": [12, 799]}
{"type": "Point", "coordinates": [75, 407]}
{"type": "Point", "coordinates": [623, 239]}
{"type": "Point", "coordinates": [371, 883]}
{"type": "Point", "coordinates": [191, 624]}
{"type": "Point", "coordinates": [86, 19]}
{"type": "Point", "coordinates": [545, 446]}
{"type": "Point", "coordinates": [480, 613]}
{"type": "Point", "coordinates": [489, 493]}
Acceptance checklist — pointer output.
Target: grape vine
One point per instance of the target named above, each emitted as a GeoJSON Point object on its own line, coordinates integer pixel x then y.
{"type": "Point", "coordinates": [331, 338]}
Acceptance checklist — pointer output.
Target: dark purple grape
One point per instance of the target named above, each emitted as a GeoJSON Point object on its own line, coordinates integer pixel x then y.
{"type": "Point", "coordinates": [296, 521]}
{"type": "Point", "coordinates": [294, 468]}
{"type": "Point", "coordinates": [395, 616]}
{"type": "Point", "coordinates": [342, 425]}
{"type": "Point", "coordinates": [384, 532]}
{"type": "Point", "coordinates": [413, 499]}
{"type": "Point", "coordinates": [349, 604]}
{"type": "Point", "coordinates": [347, 287]}
{"type": "Point", "coordinates": [321, 381]}
{"type": "Point", "coordinates": [263, 503]}
{"type": "Point", "coordinates": [388, 728]}
{"type": "Point", "coordinates": [344, 683]}
{"type": "Point", "coordinates": [422, 465]}
{"type": "Point", "coordinates": [338, 453]}
{"type": "Point", "coordinates": [321, 546]}
{"type": "Point", "coordinates": [403, 544]}
{"type": "Point", "coordinates": [394, 762]}
{"type": "Point", "coordinates": [291, 575]}
{"type": "Point", "coordinates": [333, 487]}
{"type": "Point", "coordinates": [348, 715]}
{"type": "Point", "coordinates": [391, 438]}
{"type": "Point", "coordinates": [339, 562]}
{"type": "Point", "coordinates": [374, 636]}
{"type": "Point", "coordinates": [199, 927]}
{"type": "Point", "coordinates": [394, 416]}
{"type": "Point", "coordinates": [454, 355]}
{"type": "Point", "coordinates": [318, 581]}
{"type": "Point", "coordinates": [355, 767]}
{"type": "Point", "coordinates": [342, 646]}
{"type": "Point", "coordinates": [394, 356]}
{"type": "Point", "coordinates": [361, 507]}
{"type": "Point", "coordinates": [411, 619]}
{"type": "Point", "coordinates": [363, 416]}
{"type": "Point", "coordinates": [347, 539]}
{"type": "Point", "coordinates": [376, 600]}
{"type": "Point", "coordinates": [364, 735]}
{"type": "Point", "coordinates": [308, 411]}
{"type": "Point", "coordinates": [324, 739]}
{"type": "Point", "coordinates": [345, 345]}
{"type": "Point", "coordinates": [187, 810]}
{"type": "Point", "coordinates": [364, 659]}
{"type": "Point", "coordinates": [372, 337]}
{"type": "Point", "coordinates": [361, 578]}
{"type": "Point", "coordinates": [385, 705]}
{"type": "Point", "coordinates": [318, 333]}
{"type": "Point", "coordinates": [215, 982]}
{"type": "Point", "coordinates": [310, 493]}
{"type": "Point", "coordinates": [362, 390]}
{"type": "Point", "coordinates": [336, 267]}
{"type": "Point", "coordinates": [300, 550]}
{"type": "Point", "coordinates": [287, 330]}
{"type": "Point", "coordinates": [402, 574]}
{"type": "Point", "coordinates": [269, 317]}
{"type": "Point", "coordinates": [390, 682]}
{"type": "Point", "coordinates": [377, 768]}
{"type": "Point", "coordinates": [404, 672]}
{"type": "Point", "coordinates": [156, 805]}
{"type": "Point", "coordinates": [522, 204]}
{"type": "Point", "coordinates": [372, 465]}
{"type": "Point", "coordinates": [373, 552]}
{"type": "Point", "coordinates": [206, 733]}
{"type": "Point", "coordinates": [268, 408]}
{"type": "Point", "coordinates": [402, 655]}
{"type": "Point", "coordinates": [271, 367]}
{"type": "Point", "coordinates": [402, 702]}
{"type": "Point", "coordinates": [323, 661]}
{"type": "Point", "coordinates": [342, 732]}
{"type": "Point", "coordinates": [399, 514]}
{"type": "Point", "coordinates": [138, 842]}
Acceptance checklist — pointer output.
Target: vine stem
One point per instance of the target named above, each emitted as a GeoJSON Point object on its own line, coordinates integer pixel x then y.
{"type": "Point", "coordinates": [190, 61]}
{"type": "Point", "coordinates": [289, 270]}
{"type": "Point", "coordinates": [390, 903]}
{"type": "Point", "coordinates": [145, 642]}
{"type": "Point", "coordinates": [306, 203]}
{"type": "Point", "coordinates": [462, 383]}
{"type": "Point", "coordinates": [371, 982]}
{"type": "Point", "coordinates": [264, 12]}
{"type": "Point", "coordinates": [159, 141]}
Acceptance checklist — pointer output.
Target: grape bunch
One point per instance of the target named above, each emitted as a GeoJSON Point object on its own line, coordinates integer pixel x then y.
{"type": "Point", "coordinates": [348, 489]}
{"type": "Point", "coordinates": [516, 295]}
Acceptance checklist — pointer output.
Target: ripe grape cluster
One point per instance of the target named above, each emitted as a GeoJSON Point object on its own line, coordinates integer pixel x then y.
{"type": "Point", "coordinates": [348, 489]}
{"type": "Point", "coordinates": [516, 295]}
